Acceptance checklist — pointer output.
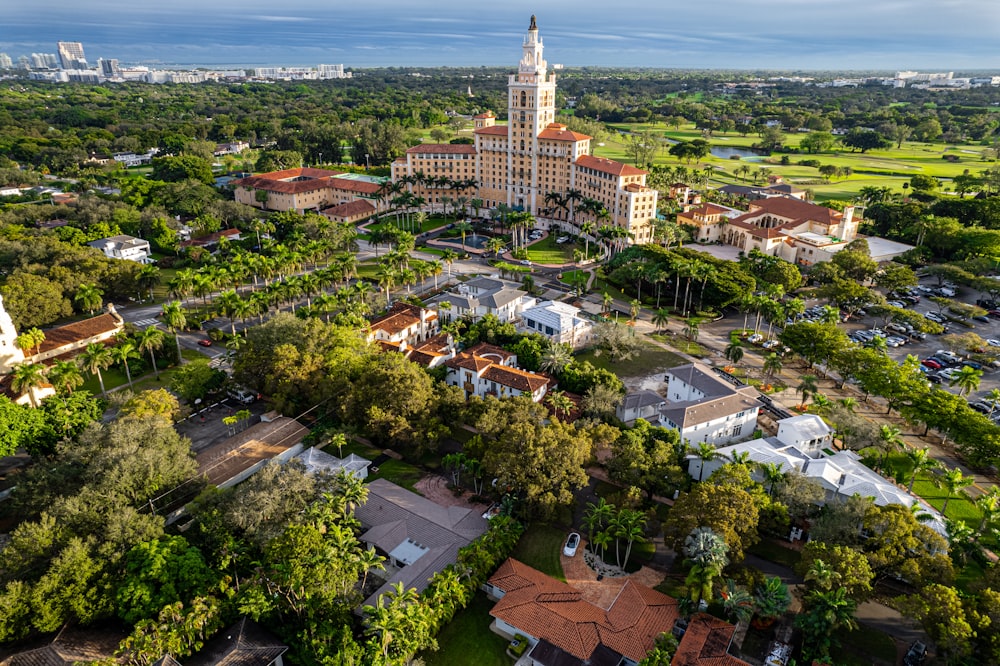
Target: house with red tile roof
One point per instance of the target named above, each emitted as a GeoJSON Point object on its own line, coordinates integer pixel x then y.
{"type": "Point", "coordinates": [521, 164]}
{"type": "Point", "coordinates": [707, 221]}
{"type": "Point", "coordinates": [564, 629]}
{"type": "Point", "coordinates": [404, 322]}
{"type": "Point", "coordinates": [485, 370]}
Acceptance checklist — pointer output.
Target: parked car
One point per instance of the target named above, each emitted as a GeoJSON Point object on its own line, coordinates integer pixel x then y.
{"type": "Point", "coordinates": [931, 363]}
{"type": "Point", "coordinates": [934, 316]}
{"type": "Point", "coordinates": [897, 304]}
{"type": "Point", "coordinates": [973, 365]}
{"type": "Point", "coordinates": [981, 407]}
{"type": "Point", "coordinates": [242, 395]}
{"type": "Point", "coordinates": [770, 344]}
{"type": "Point", "coordinates": [899, 328]}
{"type": "Point", "coordinates": [915, 655]}
{"type": "Point", "coordinates": [895, 341]}
{"type": "Point", "coordinates": [913, 298]}
{"type": "Point", "coordinates": [993, 313]}
{"type": "Point", "coordinates": [756, 338]}
{"type": "Point", "coordinates": [951, 356]}
{"type": "Point", "coordinates": [993, 342]}
{"type": "Point", "coordinates": [917, 335]}
{"type": "Point", "coordinates": [948, 373]}
{"type": "Point", "coordinates": [934, 379]}
{"type": "Point", "coordinates": [947, 292]}
{"type": "Point", "coordinates": [205, 342]}
{"type": "Point", "coordinates": [572, 543]}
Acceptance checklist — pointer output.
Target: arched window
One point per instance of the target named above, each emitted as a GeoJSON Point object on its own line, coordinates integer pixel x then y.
{"type": "Point", "coordinates": [524, 98]}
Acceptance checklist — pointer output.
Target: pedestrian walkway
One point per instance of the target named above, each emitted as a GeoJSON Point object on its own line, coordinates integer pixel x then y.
{"type": "Point", "coordinates": [146, 323]}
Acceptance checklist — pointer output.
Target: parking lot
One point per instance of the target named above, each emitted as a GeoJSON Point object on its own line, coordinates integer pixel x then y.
{"type": "Point", "coordinates": [923, 349]}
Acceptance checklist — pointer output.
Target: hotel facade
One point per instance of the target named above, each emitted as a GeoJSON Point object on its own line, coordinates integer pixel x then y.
{"type": "Point", "coordinates": [532, 160]}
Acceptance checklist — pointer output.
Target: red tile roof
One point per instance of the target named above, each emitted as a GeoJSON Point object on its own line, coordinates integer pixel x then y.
{"type": "Point", "coordinates": [443, 149]}
{"type": "Point", "coordinates": [78, 331]}
{"type": "Point", "coordinates": [559, 132]}
{"type": "Point", "coordinates": [488, 114]}
{"type": "Point", "coordinates": [706, 643]}
{"type": "Point", "coordinates": [608, 166]}
{"type": "Point", "coordinates": [552, 610]}
{"type": "Point", "coordinates": [350, 209]}
{"type": "Point", "coordinates": [515, 378]}
{"type": "Point", "coordinates": [400, 317]}
{"type": "Point", "coordinates": [486, 349]}
{"type": "Point", "coordinates": [495, 130]}
{"type": "Point", "coordinates": [795, 209]}
{"type": "Point", "coordinates": [469, 362]}
{"type": "Point", "coordinates": [356, 186]}
{"type": "Point", "coordinates": [758, 232]}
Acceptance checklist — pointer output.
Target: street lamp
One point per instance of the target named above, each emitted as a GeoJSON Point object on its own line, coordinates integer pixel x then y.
{"type": "Point", "coordinates": [367, 165]}
{"type": "Point", "coordinates": [321, 159]}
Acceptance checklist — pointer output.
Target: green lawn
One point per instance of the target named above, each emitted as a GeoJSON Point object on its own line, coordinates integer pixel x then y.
{"type": "Point", "coordinates": [113, 377]}
{"type": "Point", "coordinates": [681, 344]}
{"type": "Point", "coordinates": [890, 167]}
{"type": "Point", "coordinates": [650, 360]}
{"type": "Point", "coordinates": [547, 251]}
{"type": "Point", "coordinates": [540, 547]}
{"type": "Point", "coordinates": [431, 223]}
{"type": "Point", "coordinates": [467, 639]}
{"type": "Point", "coordinates": [397, 471]}
{"type": "Point", "coordinates": [959, 508]}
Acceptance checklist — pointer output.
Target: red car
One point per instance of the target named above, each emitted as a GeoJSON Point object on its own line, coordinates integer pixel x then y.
{"type": "Point", "coordinates": [205, 343]}
{"type": "Point", "coordinates": [994, 313]}
{"type": "Point", "coordinates": [931, 363]}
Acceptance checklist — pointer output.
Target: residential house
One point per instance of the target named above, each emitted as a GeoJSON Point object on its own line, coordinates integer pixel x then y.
{"type": "Point", "coordinates": [404, 322]}
{"type": "Point", "coordinates": [245, 643]}
{"type": "Point", "coordinates": [212, 240]}
{"type": "Point", "coordinates": [801, 445]}
{"type": "Point", "coordinates": [232, 148]}
{"type": "Point", "coordinates": [563, 628]}
{"type": "Point", "coordinates": [706, 408]}
{"type": "Point", "coordinates": [640, 405]}
{"type": "Point", "coordinates": [559, 322]}
{"type": "Point", "coordinates": [482, 296]}
{"type": "Point", "coordinates": [124, 247]}
{"type": "Point", "coordinates": [72, 645]}
{"type": "Point", "coordinates": [418, 537]}
{"type": "Point", "coordinates": [484, 370]}
{"type": "Point", "coordinates": [316, 460]}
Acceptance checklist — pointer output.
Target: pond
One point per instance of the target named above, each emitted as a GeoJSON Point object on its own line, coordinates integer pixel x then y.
{"type": "Point", "coordinates": [727, 152]}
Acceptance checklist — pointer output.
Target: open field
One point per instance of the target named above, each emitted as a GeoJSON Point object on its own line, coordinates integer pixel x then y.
{"type": "Point", "coordinates": [547, 251]}
{"type": "Point", "coordinates": [881, 168]}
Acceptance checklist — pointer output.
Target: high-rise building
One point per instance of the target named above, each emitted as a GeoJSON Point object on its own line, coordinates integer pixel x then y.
{"type": "Point", "coordinates": [44, 61]}
{"type": "Point", "coordinates": [533, 163]}
{"type": "Point", "coordinates": [71, 55]}
{"type": "Point", "coordinates": [5, 61]}
{"type": "Point", "coordinates": [109, 68]}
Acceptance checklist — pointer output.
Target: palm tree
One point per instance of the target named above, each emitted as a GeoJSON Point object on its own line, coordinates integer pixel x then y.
{"type": "Point", "coordinates": [631, 528]}
{"type": "Point", "coordinates": [828, 612]}
{"type": "Point", "coordinates": [496, 245]}
{"type": "Point", "coordinates": [121, 354]}
{"type": "Point", "coordinates": [989, 506]}
{"type": "Point", "coordinates": [706, 453]}
{"type": "Point", "coordinates": [555, 359]}
{"type": "Point", "coordinates": [953, 481]}
{"type": "Point", "coordinates": [369, 559]}
{"type": "Point", "coordinates": [26, 378]}
{"type": "Point", "coordinates": [633, 309]}
{"type": "Point", "coordinates": [773, 474]}
{"type": "Point", "coordinates": [65, 376]}
{"type": "Point", "coordinates": [174, 318]}
{"type": "Point", "coordinates": [587, 230]}
{"type": "Point", "coordinates": [448, 257]}
{"type": "Point", "coordinates": [691, 328]}
{"type": "Point", "coordinates": [30, 339]}
{"type": "Point", "coordinates": [559, 402]}
{"type": "Point", "coordinates": [464, 228]}
{"type": "Point", "coordinates": [147, 278]}
{"type": "Point", "coordinates": [595, 516]}
{"type": "Point", "coordinates": [848, 403]}
{"type": "Point", "coordinates": [89, 297]}
{"type": "Point", "coordinates": [921, 461]}
{"type": "Point", "coordinates": [891, 438]}
{"type": "Point", "coordinates": [771, 598]}
{"type": "Point", "coordinates": [737, 603]}
{"type": "Point", "coordinates": [661, 319]}
{"type": "Point", "coordinates": [734, 352]}
{"type": "Point", "coordinates": [807, 387]}
{"type": "Point", "coordinates": [95, 358]}
{"type": "Point", "coordinates": [150, 339]}
{"type": "Point", "coordinates": [967, 380]}
{"type": "Point", "coordinates": [772, 365]}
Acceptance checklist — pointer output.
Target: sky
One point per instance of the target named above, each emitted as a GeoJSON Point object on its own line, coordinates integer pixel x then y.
{"type": "Point", "coordinates": [787, 35]}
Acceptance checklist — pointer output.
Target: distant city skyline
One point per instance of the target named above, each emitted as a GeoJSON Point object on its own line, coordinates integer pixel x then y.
{"type": "Point", "coordinates": [732, 34]}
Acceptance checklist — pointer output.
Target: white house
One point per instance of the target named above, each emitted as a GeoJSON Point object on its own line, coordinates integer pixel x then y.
{"type": "Point", "coordinates": [640, 405]}
{"type": "Point", "coordinates": [485, 370]}
{"type": "Point", "coordinates": [706, 408]}
{"type": "Point", "coordinates": [559, 322]}
{"type": "Point", "coordinates": [404, 323]}
{"type": "Point", "coordinates": [807, 432]}
{"type": "Point", "coordinates": [799, 446]}
{"type": "Point", "coordinates": [482, 296]}
{"type": "Point", "coordinates": [124, 247]}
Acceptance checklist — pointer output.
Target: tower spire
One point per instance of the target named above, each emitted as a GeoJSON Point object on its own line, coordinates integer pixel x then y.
{"type": "Point", "coordinates": [532, 26]}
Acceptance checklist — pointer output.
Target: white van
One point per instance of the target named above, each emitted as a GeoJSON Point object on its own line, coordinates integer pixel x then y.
{"type": "Point", "coordinates": [242, 395]}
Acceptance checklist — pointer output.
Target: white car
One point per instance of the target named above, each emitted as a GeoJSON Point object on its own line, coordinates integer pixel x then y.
{"type": "Point", "coordinates": [992, 342]}
{"type": "Point", "coordinates": [572, 543]}
{"type": "Point", "coordinates": [949, 373]}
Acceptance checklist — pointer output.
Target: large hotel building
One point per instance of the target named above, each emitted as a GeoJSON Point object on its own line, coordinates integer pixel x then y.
{"type": "Point", "coordinates": [532, 156]}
